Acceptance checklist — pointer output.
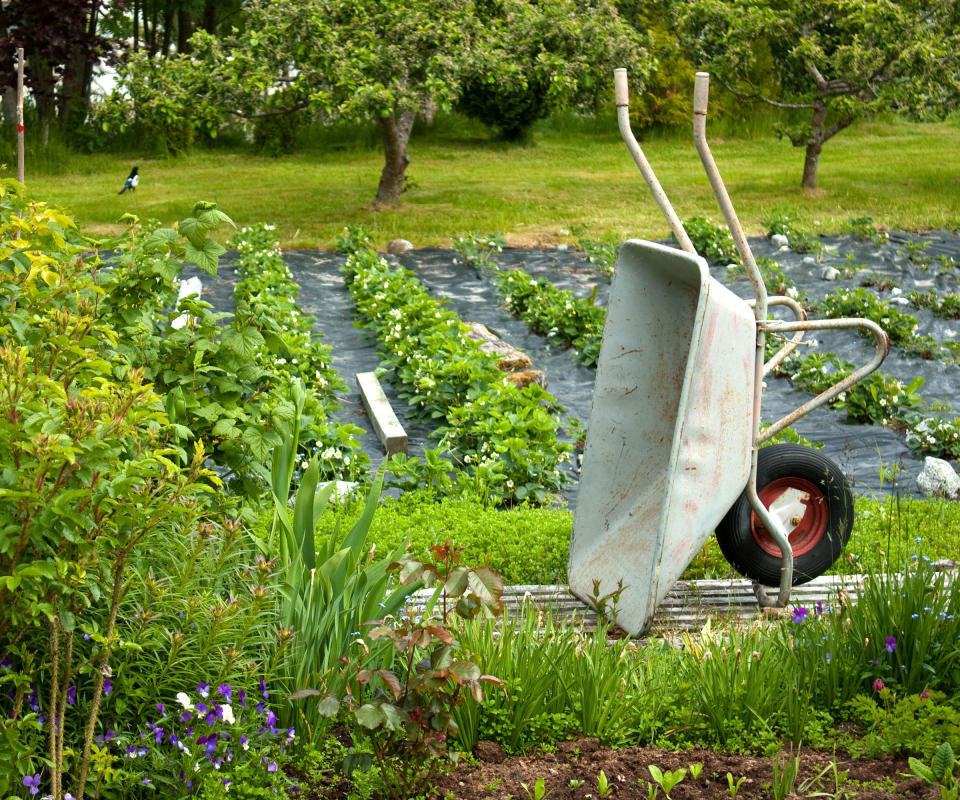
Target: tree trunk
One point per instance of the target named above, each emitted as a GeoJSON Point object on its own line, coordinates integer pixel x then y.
{"type": "Point", "coordinates": [210, 16]}
{"type": "Point", "coordinates": [136, 25]}
{"type": "Point", "coordinates": [10, 108]}
{"type": "Point", "coordinates": [395, 132]}
{"type": "Point", "coordinates": [811, 161]}
{"type": "Point", "coordinates": [184, 30]}
{"type": "Point", "coordinates": [167, 28]}
{"type": "Point", "coordinates": [154, 21]}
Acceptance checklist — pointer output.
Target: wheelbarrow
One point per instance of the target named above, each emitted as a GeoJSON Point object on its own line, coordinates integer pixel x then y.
{"type": "Point", "coordinates": [673, 450]}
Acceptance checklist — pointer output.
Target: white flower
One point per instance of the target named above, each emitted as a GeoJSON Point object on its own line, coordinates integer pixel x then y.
{"type": "Point", "coordinates": [184, 699]}
{"type": "Point", "coordinates": [227, 713]}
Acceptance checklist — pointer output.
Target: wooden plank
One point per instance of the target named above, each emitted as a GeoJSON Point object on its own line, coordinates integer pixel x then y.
{"type": "Point", "coordinates": [388, 428]}
{"type": "Point", "coordinates": [688, 606]}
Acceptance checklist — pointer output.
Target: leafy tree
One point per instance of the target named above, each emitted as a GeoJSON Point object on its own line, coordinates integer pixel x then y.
{"type": "Point", "coordinates": [61, 46]}
{"type": "Point", "coordinates": [543, 55]}
{"type": "Point", "coordinates": [359, 59]}
{"type": "Point", "coordinates": [834, 60]}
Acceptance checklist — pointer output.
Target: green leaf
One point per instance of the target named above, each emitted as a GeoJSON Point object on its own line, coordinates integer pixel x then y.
{"type": "Point", "coordinates": [942, 761]}
{"type": "Point", "coordinates": [370, 716]}
{"type": "Point", "coordinates": [487, 585]}
{"type": "Point", "coordinates": [921, 770]}
{"type": "Point", "coordinates": [206, 256]}
{"type": "Point", "coordinates": [304, 693]}
{"type": "Point", "coordinates": [246, 342]}
{"type": "Point", "coordinates": [329, 707]}
{"type": "Point", "coordinates": [466, 671]}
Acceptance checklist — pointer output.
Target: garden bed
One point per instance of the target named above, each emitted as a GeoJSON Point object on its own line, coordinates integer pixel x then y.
{"type": "Point", "coordinates": [627, 773]}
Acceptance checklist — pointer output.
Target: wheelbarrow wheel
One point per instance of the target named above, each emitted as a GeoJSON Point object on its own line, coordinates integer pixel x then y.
{"type": "Point", "coordinates": [810, 491]}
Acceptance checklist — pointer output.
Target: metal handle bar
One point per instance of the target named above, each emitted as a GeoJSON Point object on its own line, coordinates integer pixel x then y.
{"type": "Point", "coordinates": [622, 94]}
{"type": "Point", "coordinates": [882, 342]}
{"type": "Point", "coordinates": [800, 313]}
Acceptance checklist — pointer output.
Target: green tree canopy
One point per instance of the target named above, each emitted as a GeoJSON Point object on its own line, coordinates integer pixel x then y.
{"type": "Point", "coordinates": [543, 55]}
{"type": "Point", "coordinates": [838, 60]}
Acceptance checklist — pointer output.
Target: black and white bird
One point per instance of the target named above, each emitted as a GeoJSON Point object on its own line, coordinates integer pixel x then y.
{"type": "Point", "coordinates": [131, 182]}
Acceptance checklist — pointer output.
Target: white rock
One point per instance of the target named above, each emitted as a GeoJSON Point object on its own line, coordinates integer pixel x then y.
{"type": "Point", "coordinates": [829, 273]}
{"type": "Point", "coordinates": [398, 247]}
{"type": "Point", "coordinates": [733, 266]}
{"type": "Point", "coordinates": [784, 249]}
{"type": "Point", "coordinates": [900, 301]}
{"type": "Point", "coordinates": [187, 287]}
{"type": "Point", "coordinates": [342, 490]}
{"type": "Point", "coordinates": [563, 247]}
{"type": "Point", "coordinates": [809, 260]}
{"type": "Point", "coordinates": [939, 479]}
{"type": "Point", "coordinates": [896, 291]}
{"type": "Point", "coordinates": [779, 240]}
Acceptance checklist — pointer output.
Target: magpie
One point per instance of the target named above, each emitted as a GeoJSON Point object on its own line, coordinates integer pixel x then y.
{"type": "Point", "coordinates": [132, 180]}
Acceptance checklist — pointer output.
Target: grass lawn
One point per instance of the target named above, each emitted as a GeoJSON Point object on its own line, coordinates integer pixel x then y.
{"type": "Point", "coordinates": [901, 174]}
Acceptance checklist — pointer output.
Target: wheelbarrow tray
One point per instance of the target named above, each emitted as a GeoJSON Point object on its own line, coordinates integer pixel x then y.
{"type": "Point", "coordinates": [670, 432]}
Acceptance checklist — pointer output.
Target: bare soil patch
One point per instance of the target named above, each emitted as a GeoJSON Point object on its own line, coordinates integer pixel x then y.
{"type": "Point", "coordinates": [497, 777]}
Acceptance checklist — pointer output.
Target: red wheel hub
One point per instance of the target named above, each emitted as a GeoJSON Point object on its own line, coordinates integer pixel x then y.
{"type": "Point", "coordinates": [808, 518]}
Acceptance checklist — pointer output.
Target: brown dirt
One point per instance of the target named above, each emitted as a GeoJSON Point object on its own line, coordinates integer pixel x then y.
{"type": "Point", "coordinates": [497, 777]}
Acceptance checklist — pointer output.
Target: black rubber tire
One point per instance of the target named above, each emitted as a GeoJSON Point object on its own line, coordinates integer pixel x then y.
{"type": "Point", "coordinates": [822, 533]}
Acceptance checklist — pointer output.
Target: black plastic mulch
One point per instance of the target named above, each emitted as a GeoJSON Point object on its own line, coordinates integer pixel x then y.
{"type": "Point", "coordinates": [860, 450]}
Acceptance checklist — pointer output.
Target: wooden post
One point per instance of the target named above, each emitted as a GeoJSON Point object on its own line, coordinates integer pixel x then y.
{"type": "Point", "coordinates": [20, 114]}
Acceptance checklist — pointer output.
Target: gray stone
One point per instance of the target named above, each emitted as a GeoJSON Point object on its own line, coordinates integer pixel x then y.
{"type": "Point", "coordinates": [778, 240]}
{"type": "Point", "coordinates": [398, 247]}
{"type": "Point", "coordinates": [939, 479]}
{"type": "Point", "coordinates": [829, 273]}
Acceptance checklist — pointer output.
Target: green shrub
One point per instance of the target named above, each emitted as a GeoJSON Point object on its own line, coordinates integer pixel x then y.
{"type": "Point", "coordinates": [913, 725]}
{"type": "Point", "coordinates": [712, 241]}
{"type": "Point", "coordinates": [524, 544]}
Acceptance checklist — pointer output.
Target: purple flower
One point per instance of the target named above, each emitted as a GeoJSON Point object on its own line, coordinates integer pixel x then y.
{"type": "Point", "coordinates": [271, 721]}
{"type": "Point", "coordinates": [161, 709]}
{"type": "Point", "coordinates": [291, 735]}
{"type": "Point", "coordinates": [6, 664]}
{"type": "Point", "coordinates": [263, 689]}
{"type": "Point", "coordinates": [891, 643]}
{"type": "Point", "coordinates": [107, 687]}
{"type": "Point", "coordinates": [211, 718]}
{"type": "Point", "coordinates": [799, 614]}
{"type": "Point", "coordinates": [877, 685]}
{"type": "Point", "coordinates": [243, 697]}
{"type": "Point", "coordinates": [272, 766]}
{"type": "Point", "coordinates": [158, 735]}
{"type": "Point", "coordinates": [225, 691]}
{"type": "Point", "coordinates": [260, 706]}
{"type": "Point", "coordinates": [32, 783]}
{"type": "Point", "coordinates": [71, 695]}
{"type": "Point", "coordinates": [203, 689]}
{"type": "Point", "coordinates": [201, 707]}
{"type": "Point", "coordinates": [819, 608]}
{"type": "Point", "coordinates": [186, 716]}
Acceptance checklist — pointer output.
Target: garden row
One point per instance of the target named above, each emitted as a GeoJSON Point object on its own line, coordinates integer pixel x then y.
{"type": "Point", "coordinates": [503, 439]}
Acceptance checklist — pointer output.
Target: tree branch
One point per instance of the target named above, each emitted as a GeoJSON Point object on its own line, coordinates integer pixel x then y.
{"type": "Point", "coordinates": [756, 95]}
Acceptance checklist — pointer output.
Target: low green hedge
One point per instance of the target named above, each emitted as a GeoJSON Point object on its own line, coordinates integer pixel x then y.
{"type": "Point", "coordinates": [528, 545]}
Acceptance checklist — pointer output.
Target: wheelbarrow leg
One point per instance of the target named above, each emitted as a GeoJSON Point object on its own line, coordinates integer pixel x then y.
{"type": "Point", "coordinates": [775, 527]}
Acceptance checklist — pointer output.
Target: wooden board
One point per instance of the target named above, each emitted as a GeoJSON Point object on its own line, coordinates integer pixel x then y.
{"type": "Point", "coordinates": [388, 428]}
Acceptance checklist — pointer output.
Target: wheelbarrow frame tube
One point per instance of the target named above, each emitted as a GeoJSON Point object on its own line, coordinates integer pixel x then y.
{"type": "Point", "coordinates": [623, 119]}
{"type": "Point", "coordinates": [701, 91]}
